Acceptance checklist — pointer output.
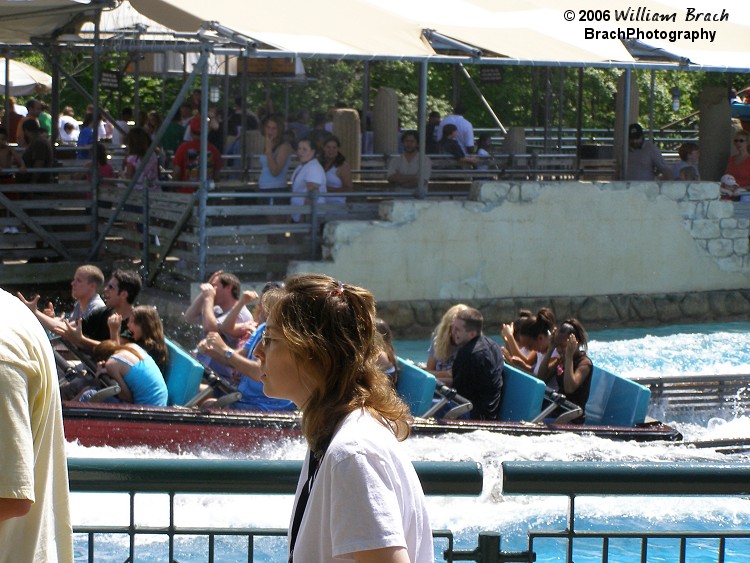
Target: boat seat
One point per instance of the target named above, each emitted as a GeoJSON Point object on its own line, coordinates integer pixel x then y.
{"type": "Point", "coordinates": [184, 375]}
{"type": "Point", "coordinates": [615, 400]}
{"type": "Point", "coordinates": [416, 387]}
{"type": "Point", "coordinates": [522, 396]}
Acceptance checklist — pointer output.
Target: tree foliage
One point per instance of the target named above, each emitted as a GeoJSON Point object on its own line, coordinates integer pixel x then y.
{"type": "Point", "coordinates": [520, 96]}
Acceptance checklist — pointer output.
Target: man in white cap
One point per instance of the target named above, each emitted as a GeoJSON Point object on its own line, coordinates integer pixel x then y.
{"type": "Point", "coordinates": [730, 189]}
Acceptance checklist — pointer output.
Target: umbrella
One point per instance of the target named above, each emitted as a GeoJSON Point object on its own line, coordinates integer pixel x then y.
{"type": "Point", "coordinates": [24, 79]}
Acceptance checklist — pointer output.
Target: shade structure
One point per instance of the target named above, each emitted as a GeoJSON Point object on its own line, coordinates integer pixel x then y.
{"type": "Point", "coordinates": [719, 33]}
{"type": "Point", "coordinates": [21, 20]}
{"type": "Point", "coordinates": [24, 79]}
{"type": "Point", "coordinates": [525, 30]}
{"type": "Point", "coordinates": [342, 27]}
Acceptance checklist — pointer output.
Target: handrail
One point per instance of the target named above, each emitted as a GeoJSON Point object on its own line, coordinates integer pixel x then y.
{"type": "Point", "coordinates": [240, 476]}
{"type": "Point", "coordinates": [701, 378]}
{"type": "Point", "coordinates": [598, 478]}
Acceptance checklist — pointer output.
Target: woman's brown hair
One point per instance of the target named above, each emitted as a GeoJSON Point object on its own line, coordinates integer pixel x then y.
{"type": "Point", "coordinates": [330, 328]}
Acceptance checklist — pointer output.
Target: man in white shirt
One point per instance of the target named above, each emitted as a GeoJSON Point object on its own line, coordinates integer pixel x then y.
{"type": "Point", "coordinates": [403, 170]}
{"type": "Point", "coordinates": [464, 126]}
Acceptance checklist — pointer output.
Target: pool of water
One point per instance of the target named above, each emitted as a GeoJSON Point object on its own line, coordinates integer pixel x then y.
{"type": "Point", "coordinates": [677, 350]}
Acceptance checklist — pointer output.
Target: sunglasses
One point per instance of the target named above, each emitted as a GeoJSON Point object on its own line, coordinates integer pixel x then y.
{"type": "Point", "coordinates": [264, 339]}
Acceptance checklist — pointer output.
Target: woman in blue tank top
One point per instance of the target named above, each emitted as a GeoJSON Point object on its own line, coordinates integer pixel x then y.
{"type": "Point", "coordinates": [140, 379]}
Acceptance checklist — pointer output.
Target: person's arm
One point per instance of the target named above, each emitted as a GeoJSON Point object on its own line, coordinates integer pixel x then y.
{"type": "Point", "coordinates": [210, 324]}
{"type": "Point", "coordinates": [214, 346]}
{"type": "Point", "coordinates": [523, 363]}
{"type": "Point", "coordinates": [114, 323]}
{"type": "Point", "coordinates": [117, 370]}
{"type": "Point", "coordinates": [403, 180]}
{"type": "Point", "coordinates": [382, 555]}
{"type": "Point", "coordinates": [574, 378]}
{"type": "Point", "coordinates": [276, 162]}
{"type": "Point", "coordinates": [344, 172]}
{"type": "Point", "coordinates": [229, 323]}
{"type": "Point", "coordinates": [193, 312]}
{"type": "Point", "coordinates": [14, 508]}
{"type": "Point", "coordinates": [17, 462]}
{"type": "Point", "coordinates": [665, 170]}
{"type": "Point", "coordinates": [506, 332]}
{"type": "Point", "coordinates": [73, 333]}
{"type": "Point", "coordinates": [50, 323]}
{"type": "Point", "coordinates": [129, 170]}
{"type": "Point", "coordinates": [18, 161]}
{"type": "Point", "coordinates": [547, 367]}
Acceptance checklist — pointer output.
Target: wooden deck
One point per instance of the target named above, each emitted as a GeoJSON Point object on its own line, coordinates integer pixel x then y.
{"type": "Point", "coordinates": [46, 230]}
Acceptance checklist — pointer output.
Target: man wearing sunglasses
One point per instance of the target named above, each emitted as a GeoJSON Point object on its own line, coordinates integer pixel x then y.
{"type": "Point", "coordinates": [120, 293]}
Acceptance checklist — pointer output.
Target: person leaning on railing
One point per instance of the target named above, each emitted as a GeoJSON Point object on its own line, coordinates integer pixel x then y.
{"type": "Point", "coordinates": [449, 145]}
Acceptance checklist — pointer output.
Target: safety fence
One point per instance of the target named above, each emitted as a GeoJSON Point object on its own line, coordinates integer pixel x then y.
{"type": "Point", "coordinates": [533, 479]}
{"type": "Point", "coordinates": [177, 477]}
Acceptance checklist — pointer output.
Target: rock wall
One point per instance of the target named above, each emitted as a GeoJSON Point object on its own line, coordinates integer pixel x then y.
{"type": "Point", "coordinates": [610, 253]}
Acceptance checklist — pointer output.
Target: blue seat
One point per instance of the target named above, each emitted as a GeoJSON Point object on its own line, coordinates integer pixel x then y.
{"type": "Point", "coordinates": [184, 375]}
{"type": "Point", "coordinates": [615, 400]}
{"type": "Point", "coordinates": [416, 387]}
{"type": "Point", "coordinates": [522, 397]}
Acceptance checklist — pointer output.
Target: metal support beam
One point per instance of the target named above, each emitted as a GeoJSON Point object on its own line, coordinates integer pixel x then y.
{"type": "Point", "coordinates": [626, 123]}
{"type": "Point", "coordinates": [422, 125]}
{"type": "Point", "coordinates": [484, 101]}
{"type": "Point", "coordinates": [204, 187]}
{"type": "Point", "coordinates": [202, 62]}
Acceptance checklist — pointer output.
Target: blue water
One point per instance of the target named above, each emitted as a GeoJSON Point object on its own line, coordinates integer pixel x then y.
{"type": "Point", "coordinates": [676, 350]}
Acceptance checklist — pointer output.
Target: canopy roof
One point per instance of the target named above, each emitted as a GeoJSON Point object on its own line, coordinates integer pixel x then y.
{"type": "Point", "coordinates": [21, 20]}
{"type": "Point", "coordinates": [486, 31]}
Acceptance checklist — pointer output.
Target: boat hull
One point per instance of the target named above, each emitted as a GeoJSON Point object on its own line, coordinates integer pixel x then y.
{"type": "Point", "coordinates": [182, 430]}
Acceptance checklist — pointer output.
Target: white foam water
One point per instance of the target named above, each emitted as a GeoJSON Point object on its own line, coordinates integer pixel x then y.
{"type": "Point", "coordinates": [722, 349]}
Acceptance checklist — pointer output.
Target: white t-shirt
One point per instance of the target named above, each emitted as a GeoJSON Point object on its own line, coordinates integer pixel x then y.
{"type": "Point", "coordinates": [401, 165]}
{"type": "Point", "coordinates": [366, 496]}
{"type": "Point", "coordinates": [32, 442]}
{"type": "Point", "coordinates": [311, 172]}
{"type": "Point", "coordinates": [465, 129]}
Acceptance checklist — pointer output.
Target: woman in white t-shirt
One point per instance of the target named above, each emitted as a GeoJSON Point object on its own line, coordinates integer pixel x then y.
{"type": "Point", "coordinates": [309, 176]}
{"type": "Point", "coordinates": [358, 496]}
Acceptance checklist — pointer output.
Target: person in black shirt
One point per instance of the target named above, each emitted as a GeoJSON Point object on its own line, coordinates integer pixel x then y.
{"type": "Point", "coordinates": [120, 293]}
{"type": "Point", "coordinates": [478, 367]}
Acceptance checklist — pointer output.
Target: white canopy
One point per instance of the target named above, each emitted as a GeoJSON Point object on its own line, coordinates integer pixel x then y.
{"type": "Point", "coordinates": [21, 20]}
{"type": "Point", "coordinates": [520, 30]}
{"type": "Point", "coordinates": [24, 79]}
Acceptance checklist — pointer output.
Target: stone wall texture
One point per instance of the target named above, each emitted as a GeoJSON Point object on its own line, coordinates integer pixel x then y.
{"type": "Point", "coordinates": [609, 253]}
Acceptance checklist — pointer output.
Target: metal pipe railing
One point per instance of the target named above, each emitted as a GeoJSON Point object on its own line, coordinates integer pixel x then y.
{"type": "Point", "coordinates": [240, 476]}
{"type": "Point", "coordinates": [595, 478]}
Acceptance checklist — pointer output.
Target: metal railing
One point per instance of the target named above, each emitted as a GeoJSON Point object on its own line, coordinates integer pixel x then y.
{"type": "Point", "coordinates": [172, 477]}
{"type": "Point", "coordinates": [135, 476]}
{"type": "Point", "coordinates": [623, 479]}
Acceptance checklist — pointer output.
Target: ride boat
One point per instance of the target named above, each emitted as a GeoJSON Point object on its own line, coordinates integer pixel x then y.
{"type": "Point", "coordinates": [616, 410]}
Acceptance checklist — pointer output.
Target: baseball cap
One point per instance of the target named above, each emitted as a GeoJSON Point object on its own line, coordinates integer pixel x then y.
{"type": "Point", "coordinates": [728, 180]}
{"type": "Point", "coordinates": [635, 131]}
{"type": "Point", "coordinates": [195, 124]}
